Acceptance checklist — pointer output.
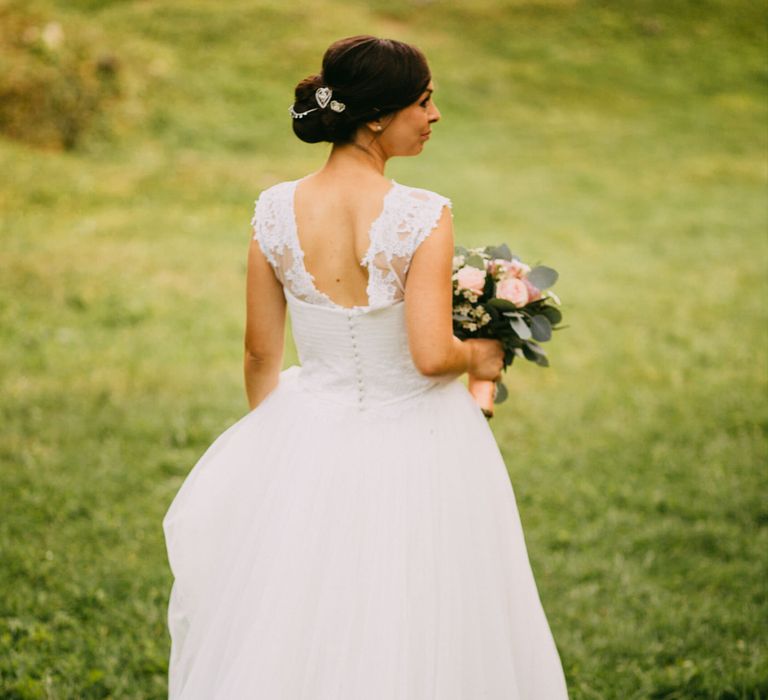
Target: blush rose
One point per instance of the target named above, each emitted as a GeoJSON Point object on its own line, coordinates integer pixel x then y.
{"type": "Point", "coordinates": [518, 268]}
{"type": "Point", "coordinates": [471, 278]}
{"type": "Point", "coordinates": [514, 290]}
{"type": "Point", "coordinates": [533, 291]}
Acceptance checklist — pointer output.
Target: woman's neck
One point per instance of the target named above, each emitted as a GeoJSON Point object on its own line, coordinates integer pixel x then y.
{"type": "Point", "coordinates": [356, 156]}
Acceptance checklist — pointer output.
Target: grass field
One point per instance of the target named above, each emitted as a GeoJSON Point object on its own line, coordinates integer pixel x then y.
{"type": "Point", "coordinates": [623, 144]}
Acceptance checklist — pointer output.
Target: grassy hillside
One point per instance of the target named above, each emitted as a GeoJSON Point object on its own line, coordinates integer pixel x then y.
{"type": "Point", "coordinates": [623, 144]}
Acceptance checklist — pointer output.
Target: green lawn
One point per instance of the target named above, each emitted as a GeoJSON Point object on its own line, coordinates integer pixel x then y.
{"type": "Point", "coordinates": [623, 144]}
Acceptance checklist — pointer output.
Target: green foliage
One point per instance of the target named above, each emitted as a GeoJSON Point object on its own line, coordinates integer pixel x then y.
{"type": "Point", "coordinates": [542, 276]}
{"type": "Point", "coordinates": [55, 81]}
{"type": "Point", "coordinates": [541, 329]}
{"type": "Point", "coordinates": [622, 143]}
{"type": "Point", "coordinates": [475, 261]}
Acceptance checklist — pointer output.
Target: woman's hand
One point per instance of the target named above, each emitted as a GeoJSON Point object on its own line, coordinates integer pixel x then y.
{"type": "Point", "coordinates": [486, 358]}
{"type": "Point", "coordinates": [486, 362]}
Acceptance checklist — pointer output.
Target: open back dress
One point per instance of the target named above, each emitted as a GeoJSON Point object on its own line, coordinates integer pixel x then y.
{"type": "Point", "coordinates": [355, 536]}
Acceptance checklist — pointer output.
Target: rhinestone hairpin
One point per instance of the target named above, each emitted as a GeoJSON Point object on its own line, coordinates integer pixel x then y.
{"type": "Point", "coordinates": [300, 115]}
{"type": "Point", "coordinates": [323, 98]}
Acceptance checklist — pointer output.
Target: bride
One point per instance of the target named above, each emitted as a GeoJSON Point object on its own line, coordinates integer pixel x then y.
{"type": "Point", "coordinates": [355, 536]}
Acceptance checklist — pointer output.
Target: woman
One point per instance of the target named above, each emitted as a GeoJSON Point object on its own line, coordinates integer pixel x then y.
{"type": "Point", "coordinates": [355, 535]}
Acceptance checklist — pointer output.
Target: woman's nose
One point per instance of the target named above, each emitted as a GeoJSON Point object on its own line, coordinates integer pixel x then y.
{"type": "Point", "coordinates": [435, 115]}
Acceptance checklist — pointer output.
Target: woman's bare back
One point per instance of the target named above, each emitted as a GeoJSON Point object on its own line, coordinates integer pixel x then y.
{"type": "Point", "coordinates": [334, 216]}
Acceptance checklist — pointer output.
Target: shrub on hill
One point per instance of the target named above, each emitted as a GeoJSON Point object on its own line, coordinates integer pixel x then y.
{"type": "Point", "coordinates": [56, 80]}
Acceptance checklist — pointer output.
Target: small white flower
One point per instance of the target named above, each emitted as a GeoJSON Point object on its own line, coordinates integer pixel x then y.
{"type": "Point", "coordinates": [52, 35]}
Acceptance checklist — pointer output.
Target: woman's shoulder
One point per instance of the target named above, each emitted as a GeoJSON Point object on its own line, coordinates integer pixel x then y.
{"type": "Point", "coordinates": [419, 212]}
{"type": "Point", "coordinates": [424, 206]}
{"type": "Point", "coordinates": [423, 195]}
{"type": "Point", "coordinates": [271, 213]}
{"type": "Point", "coordinates": [273, 203]}
{"type": "Point", "coordinates": [275, 190]}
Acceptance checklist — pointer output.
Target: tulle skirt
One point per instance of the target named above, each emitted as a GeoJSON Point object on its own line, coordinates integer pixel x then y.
{"type": "Point", "coordinates": [322, 552]}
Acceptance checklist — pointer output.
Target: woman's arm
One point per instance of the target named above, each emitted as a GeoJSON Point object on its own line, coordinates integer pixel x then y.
{"type": "Point", "coordinates": [429, 304]}
{"type": "Point", "coordinates": [264, 327]}
{"type": "Point", "coordinates": [429, 313]}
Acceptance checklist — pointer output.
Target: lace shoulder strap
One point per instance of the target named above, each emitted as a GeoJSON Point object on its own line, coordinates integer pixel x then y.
{"type": "Point", "coordinates": [422, 214]}
{"type": "Point", "coordinates": [406, 222]}
{"type": "Point", "coordinates": [274, 227]}
{"type": "Point", "coordinates": [269, 223]}
{"type": "Point", "coordinates": [409, 216]}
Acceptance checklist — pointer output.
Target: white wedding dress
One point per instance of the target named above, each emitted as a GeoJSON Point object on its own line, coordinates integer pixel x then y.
{"type": "Point", "coordinates": [355, 536]}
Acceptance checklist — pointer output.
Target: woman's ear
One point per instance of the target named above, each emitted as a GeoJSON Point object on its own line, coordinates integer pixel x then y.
{"type": "Point", "coordinates": [381, 123]}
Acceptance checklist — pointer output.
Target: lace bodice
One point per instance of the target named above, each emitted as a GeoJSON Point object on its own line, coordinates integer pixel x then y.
{"type": "Point", "coordinates": [356, 356]}
{"type": "Point", "coordinates": [407, 216]}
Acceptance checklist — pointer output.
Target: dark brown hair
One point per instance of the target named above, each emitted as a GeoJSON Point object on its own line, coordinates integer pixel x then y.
{"type": "Point", "coordinates": [373, 77]}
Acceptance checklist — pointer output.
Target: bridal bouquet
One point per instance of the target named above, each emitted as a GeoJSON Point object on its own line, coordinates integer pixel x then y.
{"type": "Point", "coordinates": [496, 295]}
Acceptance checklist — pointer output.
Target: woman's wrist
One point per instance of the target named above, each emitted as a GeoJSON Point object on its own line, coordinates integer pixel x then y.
{"type": "Point", "coordinates": [469, 354]}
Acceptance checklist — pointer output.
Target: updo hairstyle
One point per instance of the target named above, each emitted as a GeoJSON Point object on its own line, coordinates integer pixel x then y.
{"type": "Point", "coordinates": [372, 77]}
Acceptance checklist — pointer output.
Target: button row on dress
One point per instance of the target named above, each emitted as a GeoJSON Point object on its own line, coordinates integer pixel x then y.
{"type": "Point", "coordinates": [356, 355]}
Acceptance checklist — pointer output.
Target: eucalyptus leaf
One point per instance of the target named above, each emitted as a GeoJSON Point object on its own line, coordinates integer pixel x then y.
{"type": "Point", "coordinates": [501, 304]}
{"type": "Point", "coordinates": [554, 315]}
{"type": "Point", "coordinates": [500, 252]}
{"type": "Point", "coordinates": [542, 276]}
{"type": "Point", "coordinates": [541, 328]}
{"type": "Point", "coordinates": [493, 313]}
{"type": "Point", "coordinates": [501, 393]}
{"type": "Point", "coordinates": [475, 260]}
{"type": "Point", "coordinates": [520, 327]}
{"type": "Point", "coordinates": [535, 354]}
{"type": "Point", "coordinates": [460, 250]}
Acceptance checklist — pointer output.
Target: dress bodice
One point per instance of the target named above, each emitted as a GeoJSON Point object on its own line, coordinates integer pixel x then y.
{"type": "Point", "coordinates": [355, 356]}
{"type": "Point", "coordinates": [359, 355]}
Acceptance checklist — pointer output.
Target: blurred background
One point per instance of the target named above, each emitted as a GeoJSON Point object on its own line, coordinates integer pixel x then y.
{"type": "Point", "coordinates": [624, 144]}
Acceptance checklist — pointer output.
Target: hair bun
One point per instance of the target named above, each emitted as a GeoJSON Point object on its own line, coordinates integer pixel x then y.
{"type": "Point", "coordinates": [312, 127]}
{"type": "Point", "coordinates": [372, 77]}
{"type": "Point", "coordinates": [305, 90]}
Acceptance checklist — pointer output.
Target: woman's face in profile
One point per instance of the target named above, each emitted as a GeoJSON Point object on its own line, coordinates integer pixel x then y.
{"type": "Point", "coordinates": [407, 131]}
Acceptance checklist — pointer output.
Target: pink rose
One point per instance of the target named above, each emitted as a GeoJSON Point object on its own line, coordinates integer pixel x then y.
{"type": "Point", "coordinates": [518, 268]}
{"type": "Point", "coordinates": [533, 291]}
{"type": "Point", "coordinates": [514, 290]}
{"type": "Point", "coordinates": [471, 278]}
